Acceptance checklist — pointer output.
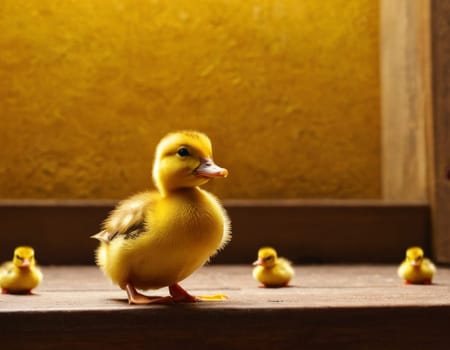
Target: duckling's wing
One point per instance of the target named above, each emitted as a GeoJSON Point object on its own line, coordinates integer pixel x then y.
{"type": "Point", "coordinates": [127, 219]}
{"type": "Point", "coordinates": [428, 264]}
{"type": "Point", "coordinates": [6, 268]}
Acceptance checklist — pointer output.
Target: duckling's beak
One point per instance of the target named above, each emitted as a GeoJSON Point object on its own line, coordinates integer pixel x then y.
{"type": "Point", "coordinates": [25, 263]}
{"type": "Point", "coordinates": [258, 262]}
{"type": "Point", "coordinates": [415, 263]}
{"type": "Point", "coordinates": [208, 168]}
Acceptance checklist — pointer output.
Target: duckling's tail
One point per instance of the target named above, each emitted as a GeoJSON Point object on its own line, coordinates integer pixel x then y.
{"type": "Point", "coordinates": [102, 236]}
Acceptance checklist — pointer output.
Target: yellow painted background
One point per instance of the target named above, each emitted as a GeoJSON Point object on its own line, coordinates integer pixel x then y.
{"type": "Point", "coordinates": [287, 90]}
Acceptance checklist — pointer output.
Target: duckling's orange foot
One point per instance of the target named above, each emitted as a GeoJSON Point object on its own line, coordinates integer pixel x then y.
{"type": "Point", "coordinates": [427, 282]}
{"type": "Point", "coordinates": [136, 298]}
{"type": "Point", "coordinates": [179, 295]}
{"type": "Point", "coordinates": [406, 282]}
{"type": "Point", "coordinates": [216, 297]}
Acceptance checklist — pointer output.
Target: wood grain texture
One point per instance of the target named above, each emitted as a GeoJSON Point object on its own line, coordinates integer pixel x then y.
{"type": "Point", "coordinates": [306, 231]}
{"type": "Point", "coordinates": [405, 97]}
{"type": "Point", "coordinates": [439, 131]}
{"type": "Point", "coordinates": [339, 306]}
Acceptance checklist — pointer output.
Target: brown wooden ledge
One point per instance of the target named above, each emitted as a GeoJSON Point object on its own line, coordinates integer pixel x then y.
{"type": "Point", "coordinates": [305, 230]}
{"type": "Point", "coordinates": [327, 306]}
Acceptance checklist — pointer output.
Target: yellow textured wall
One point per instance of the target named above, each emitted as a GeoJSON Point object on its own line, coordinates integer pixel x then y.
{"type": "Point", "coordinates": [287, 90]}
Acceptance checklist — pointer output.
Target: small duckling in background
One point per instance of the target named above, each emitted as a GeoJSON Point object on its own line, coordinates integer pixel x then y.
{"type": "Point", "coordinates": [416, 269]}
{"type": "Point", "coordinates": [271, 270]}
{"type": "Point", "coordinates": [21, 275]}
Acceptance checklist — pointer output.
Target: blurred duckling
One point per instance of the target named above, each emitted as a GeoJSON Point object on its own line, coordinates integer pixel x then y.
{"type": "Point", "coordinates": [416, 269]}
{"type": "Point", "coordinates": [158, 238]}
{"type": "Point", "coordinates": [271, 270]}
{"type": "Point", "coordinates": [20, 275]}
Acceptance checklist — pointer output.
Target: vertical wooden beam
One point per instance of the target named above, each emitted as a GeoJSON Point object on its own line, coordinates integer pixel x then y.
{"type": "Point", "coordinates": [405, 97]}
{"type": "Point", "coordinates": [439, 130]}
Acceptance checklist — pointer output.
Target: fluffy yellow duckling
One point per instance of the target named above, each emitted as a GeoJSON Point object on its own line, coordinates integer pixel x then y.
{"type": "Point", "coordinates": [158, 238]}
{"type": "Point", "coordinates": [416, 269]}
{"type": "Point", "coordinates": [21, 275]}
{"type": "Point", "coordinates": [271, 270]}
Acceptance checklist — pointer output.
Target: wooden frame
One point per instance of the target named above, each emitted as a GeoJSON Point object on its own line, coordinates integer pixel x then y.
{"type": "Point", "coordinates": [405, 97]}
{"type": "Point", "coordinates": [439, 130]}
{"type": "Point", "coordinates": [415, 56]}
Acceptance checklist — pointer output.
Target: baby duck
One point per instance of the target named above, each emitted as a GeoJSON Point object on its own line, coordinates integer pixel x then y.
{"type": "Point", "coordinates": [158, 238]}
{"type": "Point", "coordinates": [416, 269]}
{"type": "Point", "coordinates": [271, 270]}
{"type": "Point", "coordinates": [21, 275]}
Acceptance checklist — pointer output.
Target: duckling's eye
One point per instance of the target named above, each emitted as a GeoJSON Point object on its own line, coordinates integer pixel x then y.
{"type": "Point", "coordinates": [19, 257]}
{"type": "Point", "coordinates": [183, 152]}
{"type": "Point", "coordinates": [268, 258]}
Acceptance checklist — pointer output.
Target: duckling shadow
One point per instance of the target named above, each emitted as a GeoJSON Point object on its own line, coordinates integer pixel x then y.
{"type": "Point", "coordinates": [30, 294]}
{"type": "Point", "coordinates": [167, 304]}
{"type": "Point", "coordinates": [433, 284]}
{"type": "Point", "coordinates": [290, 286]}
{"type": "Point", "coordinates": [124, 301]}
{"type": "Point", "coordinates": [118, 300]}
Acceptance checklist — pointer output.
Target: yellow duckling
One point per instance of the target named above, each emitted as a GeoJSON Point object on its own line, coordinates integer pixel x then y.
{"type": "Point", "coordinates": [21, 275]}
{"type": "Point", "coordinates": [416, 269]}
{"type": "Point", "coordinates": [271, 270]}
{"type": "Point", "coordinates": [158, 238]}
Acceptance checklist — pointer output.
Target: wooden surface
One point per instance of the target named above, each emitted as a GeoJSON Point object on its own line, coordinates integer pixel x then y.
{"type": "Point", "coordinates": [405, 96]}
{"type": "Point", "coordinates": [306, 231]}
{"type": "Point", "coordinates": [439, 131]}
{"type": "Point", "coordinates": [350, 307]}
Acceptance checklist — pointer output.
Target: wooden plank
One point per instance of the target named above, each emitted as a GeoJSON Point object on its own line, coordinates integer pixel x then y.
{"type": "Point", "coordinates": [439, 131]}
{"type": "Point", "coordinates": [59, 231]}
{"type": "Point", "coordinates": [306, 231]}
{"type": "Point", "coordinates": [359, 285]}
{"type": "Point", "coordinates": [385, 328]}
{"type": "Point", "coordinates": [328, 232]}
{"type": "Point", "coordinates": [405, 97]}
{"type": "Point", "coordinates": [338, 306]}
